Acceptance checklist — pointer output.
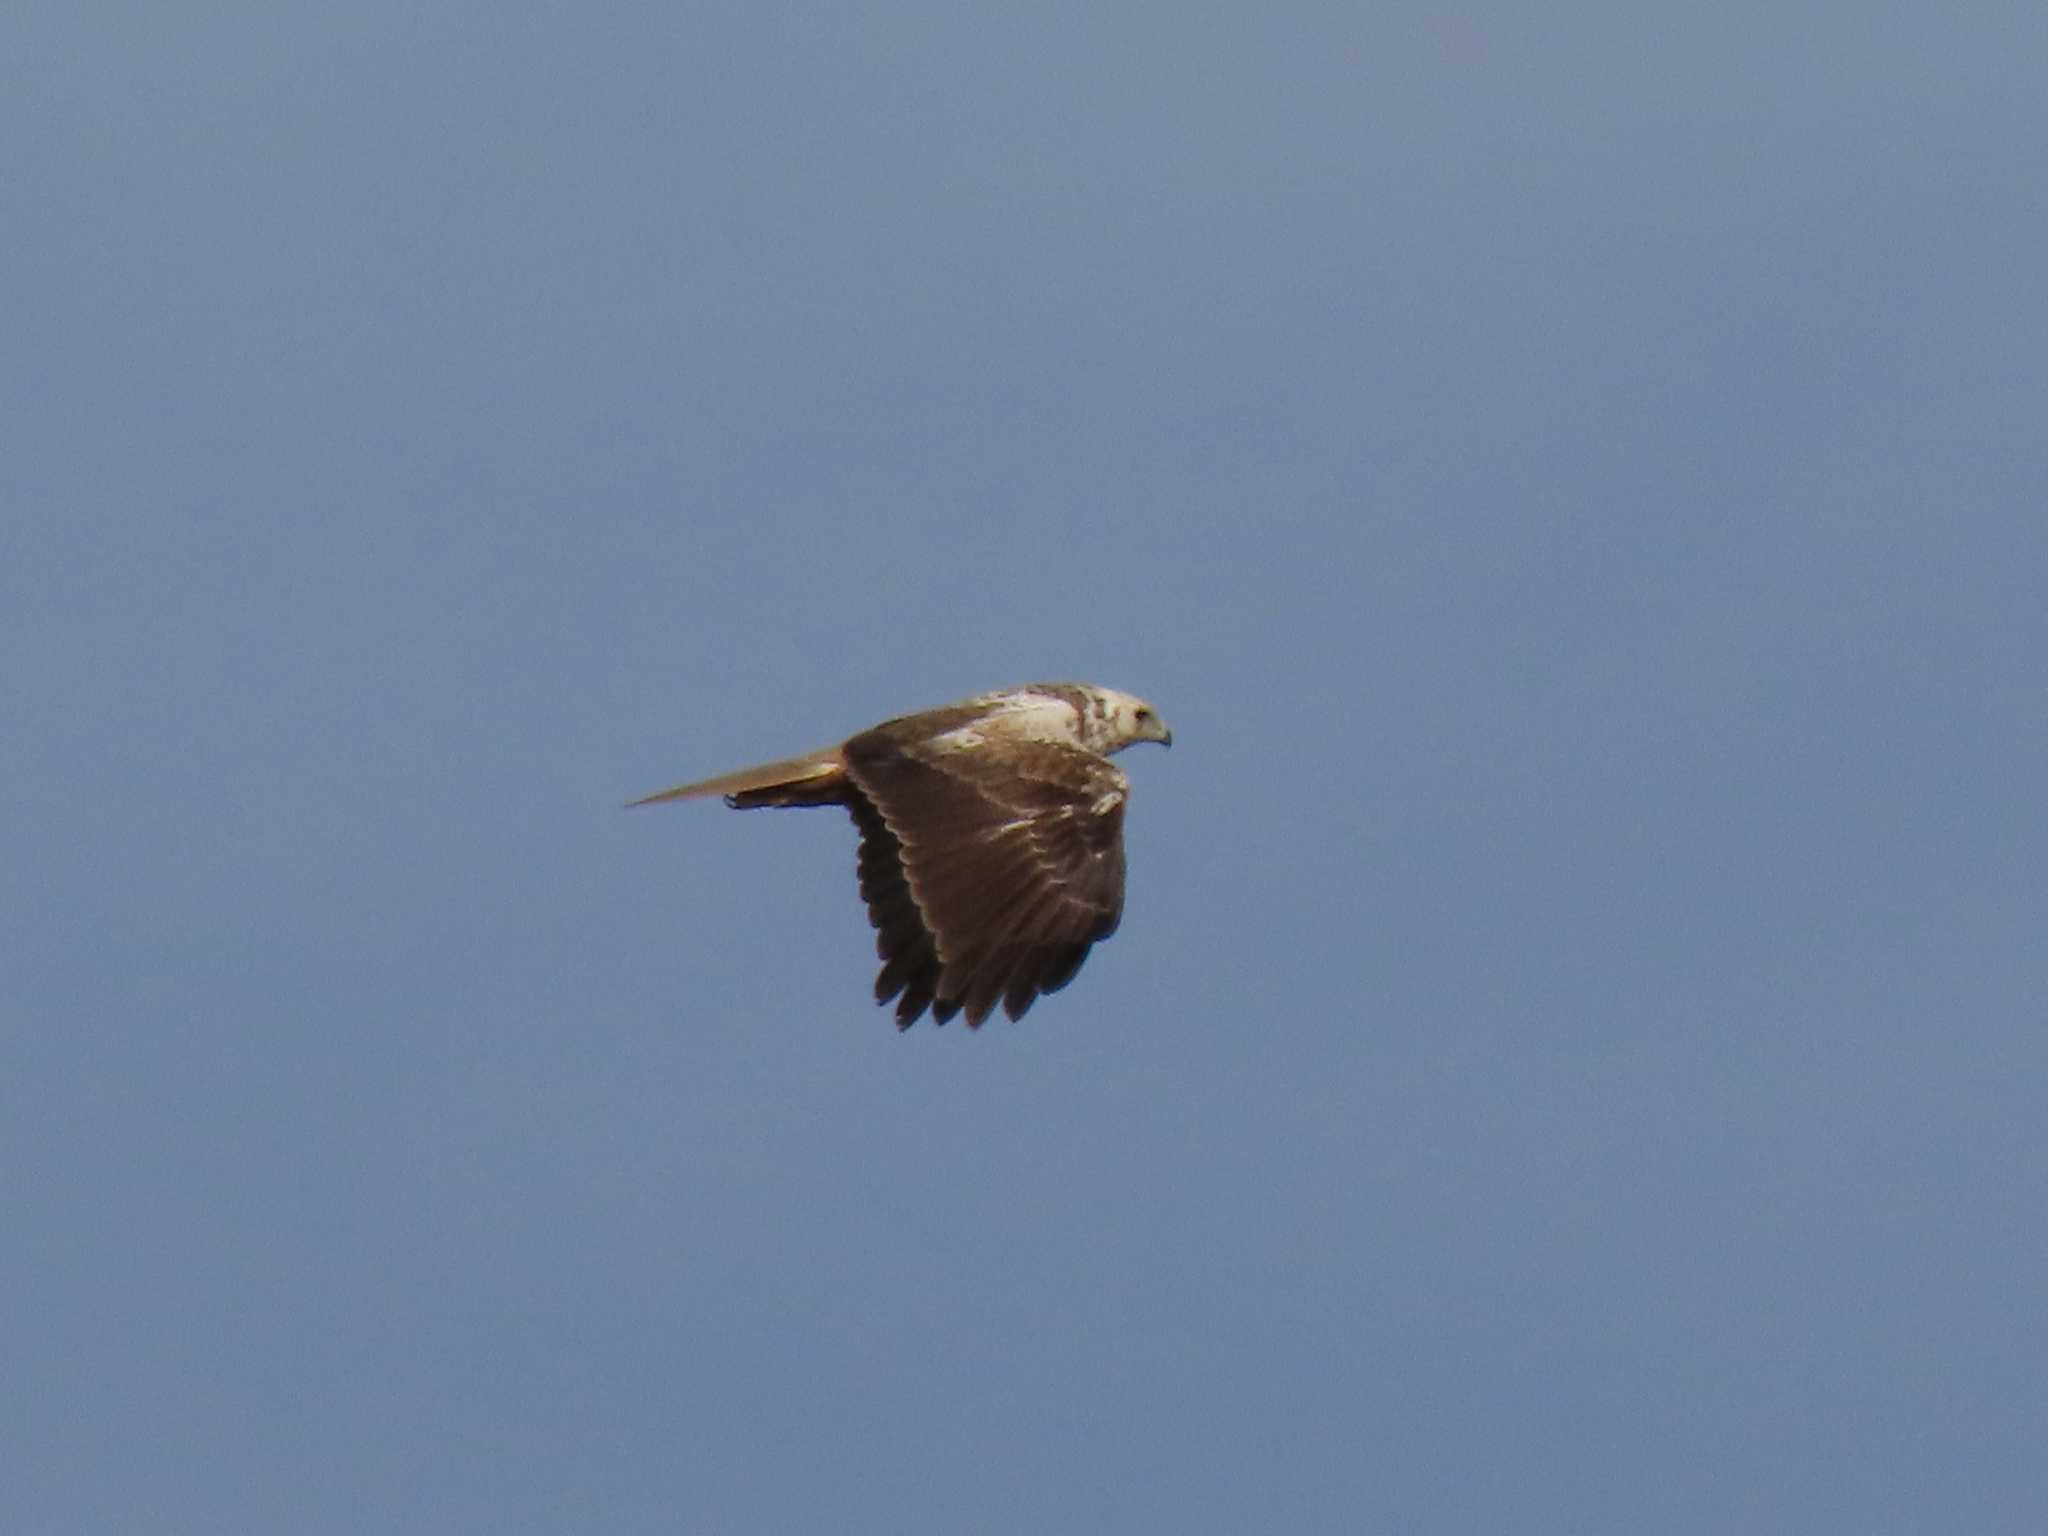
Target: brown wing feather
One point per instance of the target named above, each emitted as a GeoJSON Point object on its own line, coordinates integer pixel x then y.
{"type": "Point", "coordinates": [910, 961]}
{"type": "Point", "coordinates": [988, 872]}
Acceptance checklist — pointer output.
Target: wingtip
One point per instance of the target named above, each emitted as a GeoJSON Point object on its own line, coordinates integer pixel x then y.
{"type": "Point", "coordinates": [677, 793]}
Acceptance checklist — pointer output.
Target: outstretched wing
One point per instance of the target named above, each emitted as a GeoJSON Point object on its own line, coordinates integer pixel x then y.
{"type": "Point", "coordinates": [807, 780]}
{"type": "Point", "coordinates": [988, 871]}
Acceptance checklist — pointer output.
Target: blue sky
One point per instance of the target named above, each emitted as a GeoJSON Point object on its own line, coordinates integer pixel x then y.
{"type": "Point", "coordinates": [1574, 479]}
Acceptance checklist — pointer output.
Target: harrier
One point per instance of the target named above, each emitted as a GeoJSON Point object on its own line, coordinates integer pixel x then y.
{"type": "Point", "coordinates": [991, 838]}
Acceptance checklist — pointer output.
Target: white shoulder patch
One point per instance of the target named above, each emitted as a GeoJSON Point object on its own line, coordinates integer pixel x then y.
{"type": "Point", "coordinates": [1029, 716]}
{"type": "Point", "coordinates": [960, 739]}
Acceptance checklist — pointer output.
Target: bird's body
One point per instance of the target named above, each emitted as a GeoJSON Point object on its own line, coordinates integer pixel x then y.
{"type": "Point", "coordinates": [991, 838]}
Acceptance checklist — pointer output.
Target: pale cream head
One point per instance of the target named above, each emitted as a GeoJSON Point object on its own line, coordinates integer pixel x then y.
{"type": "Point", "coordinates": [1115, 720]}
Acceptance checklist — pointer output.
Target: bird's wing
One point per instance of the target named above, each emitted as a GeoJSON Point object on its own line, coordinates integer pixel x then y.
{"type": "Point", "coordinates": [988, 871]}
{"type": "Point", "coordinates": [806, 780]}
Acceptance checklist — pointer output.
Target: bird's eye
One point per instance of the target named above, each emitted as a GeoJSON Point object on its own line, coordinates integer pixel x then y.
{"type": "Point", "coordinates": [1144, 714]}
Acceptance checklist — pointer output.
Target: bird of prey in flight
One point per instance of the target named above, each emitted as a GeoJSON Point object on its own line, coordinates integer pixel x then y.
{"type": "Point", "coordinates": [991, 838]}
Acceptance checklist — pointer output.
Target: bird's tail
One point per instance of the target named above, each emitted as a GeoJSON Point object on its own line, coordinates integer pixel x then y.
{"type": "Point", "coordinates": [816, 778]}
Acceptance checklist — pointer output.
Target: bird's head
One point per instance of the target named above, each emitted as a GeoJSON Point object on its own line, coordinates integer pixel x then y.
{"type": "Point", "coordinates": [1129, 719]}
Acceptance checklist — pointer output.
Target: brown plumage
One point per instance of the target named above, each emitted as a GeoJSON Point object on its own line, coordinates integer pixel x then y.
{"type": "Point", "coordinates": [991, 839]}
